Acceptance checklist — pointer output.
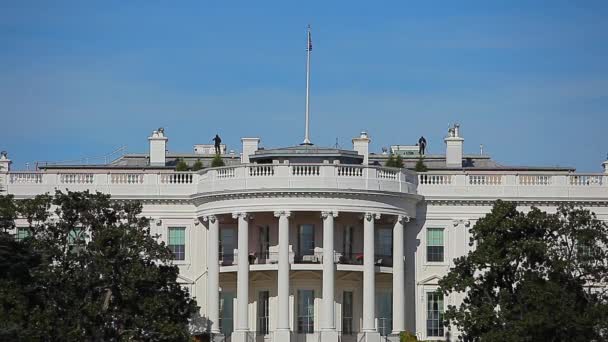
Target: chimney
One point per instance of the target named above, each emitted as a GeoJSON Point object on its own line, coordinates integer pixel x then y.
{"type": "Point", "coordinates": [5, 163]}
{"type": "Point", "coordinates": [361, 145]}
{"type": "Point", "coordinates": [250, 145]}
{"type": "Point", "coordinates": [453, 147]}
{"type": "Point", "coordinates": [158, 148]}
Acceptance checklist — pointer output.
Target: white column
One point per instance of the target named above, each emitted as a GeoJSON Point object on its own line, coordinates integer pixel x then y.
{"type": "Point", "coordinates": [282, 332]}
{"type": "Point", "coordinates": [213, 271]}
{"type": "Point", "coordinates": [242, 284]}
{"type": "Point", "coordinates": [328, 325]}
{"type": "Point", "coordinates": [369, 279]}
{"type": "Point", "coordinates": [399, 275]}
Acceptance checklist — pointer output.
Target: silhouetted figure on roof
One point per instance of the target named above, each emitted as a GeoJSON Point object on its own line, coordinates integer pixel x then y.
{"type": "Point", "coordinates": [217, 140]}
{"type": "Point", "coordinates": [421, 145]}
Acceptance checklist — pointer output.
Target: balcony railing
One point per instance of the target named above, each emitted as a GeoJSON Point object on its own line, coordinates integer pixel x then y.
{"type": "Point", "coordinates": [297, 176]}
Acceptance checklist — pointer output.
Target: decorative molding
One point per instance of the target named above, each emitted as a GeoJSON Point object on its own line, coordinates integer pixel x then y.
{"type": "Point", "coordinates": [370, 216]}
{"type": "Point", "coordinates": [326, 214]}
{"type": "Point", "coordinates": [523, 202]}
{"type": "Point", "coordinates": [403, 219]}
{"type": "Point", "coordinates": [246, 216]}
{"type": "Point", "coordinates": [464, 221]}
{"type": "Point", "coordinates": [280, 213]}
{"type": "Point", "coordinates": [210, 218]}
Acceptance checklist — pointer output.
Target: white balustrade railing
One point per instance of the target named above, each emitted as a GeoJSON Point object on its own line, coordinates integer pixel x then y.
{"type": "Point", "coordinates": [126, 178]}
{"type": "Point", "coordinates": [388, 174]}
{"type": "Point", "coordinates": [305, 170]}
{"type": "Point", "coordinates": [434, 179]}
{"type": "Point", "coordinates": [350, 171]}
{"type": "Point", "coordinates": [261, 170]}
{"type": "Point", "coordinates": [176, 178]}
{"type": "Point", "coordinates": [25, 178]}
{"type": "Point", "coordinates": [485, 179]}
{"type": "Point", "coordinates": [226, 172]}
{"type": "Point", "coordinates": [585, 180]}
{"type": "Point", "coordinates": [535, 180]}
{"type": "Point", "coordinates": [76, 178]}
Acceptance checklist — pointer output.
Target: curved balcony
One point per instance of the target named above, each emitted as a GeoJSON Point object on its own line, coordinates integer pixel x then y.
{"type": "Point", "coordinates": [307, 176]}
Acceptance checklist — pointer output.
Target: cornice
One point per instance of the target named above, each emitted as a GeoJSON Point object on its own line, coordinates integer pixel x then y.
{"type": "Point", "coordinates": [201, 198]}
{"type": "Point", "coordinates": [521, 201]}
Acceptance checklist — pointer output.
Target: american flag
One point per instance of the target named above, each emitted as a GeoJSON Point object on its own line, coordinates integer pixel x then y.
{"type": "Point", "coordinates": [309, 46]}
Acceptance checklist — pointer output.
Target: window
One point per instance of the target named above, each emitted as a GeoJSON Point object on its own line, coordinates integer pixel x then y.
{"type": "Point", "coordinates": [434, 314]}
{"type": "Point", "coordinates": [227, 245]}
{"type": "Point", "coordinates": [263, 312]}
{"type": "Point", "coordinates": [347, 312]}
{"type": "Point", "coordinates": [226, 312]}
{"type": "Point", "coordinates": [384, 307]}
{"type": "Point", "coordinates": [434, 244]}
{"type": "Point", "coordinates": [306, 240]}
{"type": "Point", "coordinates": [384, 246]}
{"type": "Point", "coordinates": [306, 311]}
{"type": "Point", "coordinates": [264, 242]}
{"type": "Point", "coordinates": [76, 239]}
{"type": "Point", "coordinates": [22, 233]}
{"type": "Point", "coordinates": [347, 246]}
{"type": "Point", "coordinates": [177, 243]}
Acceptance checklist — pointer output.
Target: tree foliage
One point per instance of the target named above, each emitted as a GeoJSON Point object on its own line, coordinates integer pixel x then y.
{"type": "Point", "coordinates": [198, 165]}
{"type": "Point", "coordinates": [217, 161]}
{"type": "Point", "coordinates": [181, 165]}
{"type": "Point", "coordinates": [420, 167]}
{"type": "Point", "coordinates": [532, 277]}
{"type": "Point", "coordinates": [89, 271]}
{"type": "Point", "coordinates": [394, 161]}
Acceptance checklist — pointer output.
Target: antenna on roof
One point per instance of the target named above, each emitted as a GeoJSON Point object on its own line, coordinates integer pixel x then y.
{"type": "Point", "coordinates": [336, 142]}
{"type": "Point", "coordinates": [481, 149]}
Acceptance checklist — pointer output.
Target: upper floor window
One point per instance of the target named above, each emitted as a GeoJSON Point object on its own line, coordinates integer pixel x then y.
{"type": "Point", "coordinates": [306, 240]}
{"type": "Point", "coordinates": [22, 233]}
{"type": "Point", "coordinates": [384, 242]}
{"type": "Point", "coordinates": [434, 244]}
{"type": "Point", "coordinates": [434, 314]}
{"type": "Point", "coordinates": [177, 242]}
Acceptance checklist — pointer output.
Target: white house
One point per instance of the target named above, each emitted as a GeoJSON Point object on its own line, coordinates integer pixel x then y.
{"type": "Point", "coordinates": [306, 243]}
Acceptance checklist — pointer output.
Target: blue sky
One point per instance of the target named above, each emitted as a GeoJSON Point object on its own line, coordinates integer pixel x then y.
{"type": "Point", "coordinates": [528, 79]}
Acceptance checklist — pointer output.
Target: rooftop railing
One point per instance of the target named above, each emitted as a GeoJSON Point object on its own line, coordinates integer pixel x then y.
{"type": "Point", "coordinates": [502, 184]}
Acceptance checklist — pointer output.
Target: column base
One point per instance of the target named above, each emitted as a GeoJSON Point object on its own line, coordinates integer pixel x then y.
{"type": "Point", "coordinates": [217, 337]}
{"type": "Point", "coordinates": [329, 336]}
{"type": "Point", "coordinates": [368, 336]}
{"type": "Point", "coordinates": [282, 335]}
{"type": "Point", "coordinates": [242, 336]}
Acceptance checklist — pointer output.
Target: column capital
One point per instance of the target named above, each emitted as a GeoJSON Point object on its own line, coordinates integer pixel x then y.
{"type": "Point", "coordinates": [209, 218]}
{"type": "Point", "coordinates": [465, 222]}
{"type": "Point", "coordinates": [326, 214]}
{"type": "Point", "coordinates": [238, 214]}
{"type": "Point", "coordinates": [403, 219]}
{"type": "Point", "coordinates": [280, 213]}
{"type": "Point", "coordinates": [370, 216]}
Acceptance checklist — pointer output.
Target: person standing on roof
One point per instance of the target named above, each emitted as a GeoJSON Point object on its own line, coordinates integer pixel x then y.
{"type": "Point", "coordinates": [421, 145]}
{"type": "Point", "coordinates": [217, 140]}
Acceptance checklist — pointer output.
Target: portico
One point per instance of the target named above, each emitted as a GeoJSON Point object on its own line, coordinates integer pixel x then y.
{"type": "Point", "coordinates": [287, 228]}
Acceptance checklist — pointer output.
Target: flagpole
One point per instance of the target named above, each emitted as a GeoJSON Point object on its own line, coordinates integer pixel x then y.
{"type": "Point", "coordinates": [308, 49]}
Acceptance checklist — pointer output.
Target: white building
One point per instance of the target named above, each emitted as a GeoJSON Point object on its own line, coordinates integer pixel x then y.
{"type": "Point", "coordinates": [335, 246]}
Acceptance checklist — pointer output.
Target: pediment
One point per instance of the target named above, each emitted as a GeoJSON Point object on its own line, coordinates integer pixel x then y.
{"type": "Point", "coordinates": [432, 280]}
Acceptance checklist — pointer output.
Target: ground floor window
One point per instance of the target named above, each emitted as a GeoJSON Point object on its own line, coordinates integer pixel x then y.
{"type": "Point", "coordinates": [226, 313]}
{"type": "Point", "coordinates": [306, 311]}
{"type": "Point", "coordinates": [263, 312]}
{"type": "Point", "coordinates": [434, 314]}
{"type": "Point", "coordinates": [384, 308]}
{"type": "Point", "coordinates": [347, 312]}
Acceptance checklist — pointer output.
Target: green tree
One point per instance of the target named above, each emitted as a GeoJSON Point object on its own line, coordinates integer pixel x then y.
{"type": "Point", "coordinates": [217, 161]}
{"type": "Point", "coordinates": [394, 161]}
{"type": "Point", "coordinates": [90, 272]}
{"type": "Point", "coordinates": [198, 165]}
{"type": "Point", "coordinates": [420, 167]}
{"type": "Point", "coordinates": [181, 165]}
{"type": "Point", "coordinates": [532, 277]}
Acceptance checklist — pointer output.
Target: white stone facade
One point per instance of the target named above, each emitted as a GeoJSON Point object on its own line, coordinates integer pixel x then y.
{"type": "Point", "coordinates": [333, 251]}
